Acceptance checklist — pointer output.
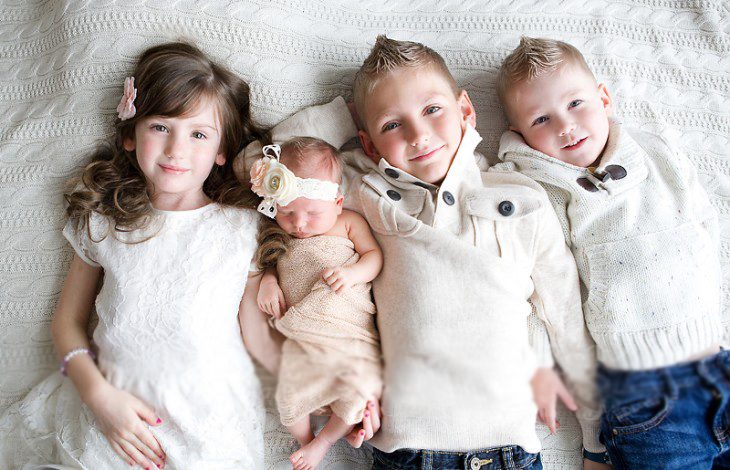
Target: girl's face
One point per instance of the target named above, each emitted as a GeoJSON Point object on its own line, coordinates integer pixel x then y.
{"type": "Point", "coordinates": [304, 218]}
{"type": "Point", "coordinates": [176, 154]}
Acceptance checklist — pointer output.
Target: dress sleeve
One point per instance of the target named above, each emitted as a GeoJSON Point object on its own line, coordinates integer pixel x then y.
{"type": "Point", "coordinates": [255, 222]}
{"type": "Point", "coordinates": [81, 242]}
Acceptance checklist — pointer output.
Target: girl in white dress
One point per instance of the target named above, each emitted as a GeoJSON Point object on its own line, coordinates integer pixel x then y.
{"type": "Point", "coordinates": [157, 219]}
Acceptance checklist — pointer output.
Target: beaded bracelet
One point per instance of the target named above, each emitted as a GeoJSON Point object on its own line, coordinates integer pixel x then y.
{"type": "Point", "coordinates": [71, 354]}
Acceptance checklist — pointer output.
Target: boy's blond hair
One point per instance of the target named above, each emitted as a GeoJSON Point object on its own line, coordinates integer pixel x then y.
{"type": "Point", "coordinates": [388, 55]}
{"type": "Point", "coordinates": [535, 57]}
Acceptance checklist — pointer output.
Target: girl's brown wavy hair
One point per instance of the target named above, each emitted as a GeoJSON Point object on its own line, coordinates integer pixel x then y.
{"type": "Point", "coordinates": [171, 80]}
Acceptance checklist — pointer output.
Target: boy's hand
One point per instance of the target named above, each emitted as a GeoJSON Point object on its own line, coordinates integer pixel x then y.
{"type": "Point", "coordinates": [369, 426]}
{"type": "Point", "coordinates": [123, 419]}
{"type": "Point", "coordinates": [591, 465]}
{"type": "Point", "coordinates": [546, 388]}
{"type": "Point", "coordinates": [339, 278]}
{"type": "Point", "coordinates": [270, 298]}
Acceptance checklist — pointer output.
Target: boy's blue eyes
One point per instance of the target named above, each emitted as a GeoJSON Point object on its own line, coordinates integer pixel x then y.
{"type": "Point", "coordinates": [542, 119]}
{"type": "Point", "coordinates": [392, 125]}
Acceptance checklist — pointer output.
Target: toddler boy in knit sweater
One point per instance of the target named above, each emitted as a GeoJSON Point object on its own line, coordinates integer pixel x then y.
{"type": "Point", "coordinates": [467, 253]}
{"type": "Point", "coordinates": [645, 239]}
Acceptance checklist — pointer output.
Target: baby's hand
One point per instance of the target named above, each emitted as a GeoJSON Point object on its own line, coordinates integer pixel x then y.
{"type": "Point", "coordinates": [546, 388]}
{"type": "Point", "coordinates": [123, 419]}
{"type": "Point", "coordinates": [270, 298]}
{"type": "Point", "coordinates": [338, 278]}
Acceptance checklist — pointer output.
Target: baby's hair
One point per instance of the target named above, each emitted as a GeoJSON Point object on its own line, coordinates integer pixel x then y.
{"type": "Point", "coordinates": [172, 80]}
{"type": "Point", "coordinates": [306, 157]}
{"type": "Point", "coordinates": [534, 57]}
{"type": "Point", "coordinates": [309, 157]}
{"type": "Point", "coordinates": [388, 55]}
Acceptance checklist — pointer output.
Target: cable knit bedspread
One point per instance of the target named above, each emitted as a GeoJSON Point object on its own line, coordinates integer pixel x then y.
{"type": "Point", "coordinates": [63, 62]}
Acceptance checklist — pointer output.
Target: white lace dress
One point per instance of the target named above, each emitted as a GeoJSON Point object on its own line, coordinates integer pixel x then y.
{"type": "Point", "coordinates": [167, 333]}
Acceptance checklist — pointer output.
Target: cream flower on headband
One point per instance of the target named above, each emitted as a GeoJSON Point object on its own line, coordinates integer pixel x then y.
{"type": "Point", "coordinates": [125, 108]}
{"type": "Point", "coordinates": [276, 181]}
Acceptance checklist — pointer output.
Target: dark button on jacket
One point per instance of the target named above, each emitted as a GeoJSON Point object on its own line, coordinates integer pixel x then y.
{"type": "Point", "coordinates": [394, 195]}
{"type": "Point", "coordinates": [506, 208]}
{"type": "Point", "coordinates": [448, 198]}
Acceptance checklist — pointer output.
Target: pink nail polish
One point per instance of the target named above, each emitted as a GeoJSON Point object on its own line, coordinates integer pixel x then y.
{"type": "Point", "coordinates": [367, 414]}
{"type": "Point", "coordinates": [159, 420]}
{"type": "Point", "coordinates": [362, 433]}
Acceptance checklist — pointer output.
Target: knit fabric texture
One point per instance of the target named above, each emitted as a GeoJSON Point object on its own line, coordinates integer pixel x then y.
{"type": "Point", "coordinates": [331, 359]}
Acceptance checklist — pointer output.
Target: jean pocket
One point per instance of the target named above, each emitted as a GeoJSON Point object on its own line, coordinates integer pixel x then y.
{"type": "Point", "coordinates": [526, 461]}
{"type": "Point", "coordinates": [639, 416]}
{"type": "Point", "coordinates": [401, 459]}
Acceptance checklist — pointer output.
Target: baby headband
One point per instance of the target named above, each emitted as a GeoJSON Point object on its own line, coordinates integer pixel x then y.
{"type": "Point", "coordinates": [276, 183]}
{"type": "Point", "coordinates": [125, 108]}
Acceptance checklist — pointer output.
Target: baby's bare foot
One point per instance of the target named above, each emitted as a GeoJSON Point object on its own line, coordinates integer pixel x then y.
{"type": "Point", "coordinates": [309, 456]}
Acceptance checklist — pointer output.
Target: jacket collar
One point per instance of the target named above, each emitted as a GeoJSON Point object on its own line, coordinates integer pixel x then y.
{"type": "Point", "coordinates": [425, 201]}
{"type": "Point", "coordinates": [621, 167]}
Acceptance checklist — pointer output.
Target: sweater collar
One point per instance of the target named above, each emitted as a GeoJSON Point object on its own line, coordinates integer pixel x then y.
{"type": "Point", "coordinates": [621, 167]}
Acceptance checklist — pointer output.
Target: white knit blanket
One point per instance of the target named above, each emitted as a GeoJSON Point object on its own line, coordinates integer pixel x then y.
{"type": "Point", "coordinates": [62, 65]}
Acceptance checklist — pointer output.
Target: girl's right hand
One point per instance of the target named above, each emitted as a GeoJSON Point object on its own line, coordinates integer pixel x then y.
{"type": "Point", "coordinates": [123, 419]}
{"type": "Point", "coordinates": [270, 298]}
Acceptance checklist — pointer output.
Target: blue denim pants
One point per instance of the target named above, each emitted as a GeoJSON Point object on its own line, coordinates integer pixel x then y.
{"type": "Point", "coordinates": [669, 418]}
{"type": "Point", "coordinates": [501, 458]}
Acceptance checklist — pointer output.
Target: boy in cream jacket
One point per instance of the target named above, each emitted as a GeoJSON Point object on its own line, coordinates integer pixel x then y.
{"type": "Point", "coordinates": [467, 253]}
{"type": "Point", "coordinates": [645, 239]}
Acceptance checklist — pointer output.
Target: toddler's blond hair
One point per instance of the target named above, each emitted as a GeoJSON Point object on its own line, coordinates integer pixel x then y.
{"type": "Point", "coordinates": [534, 57]}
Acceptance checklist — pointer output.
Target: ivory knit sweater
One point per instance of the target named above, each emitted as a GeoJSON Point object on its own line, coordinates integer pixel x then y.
{"type": "Point", "coordinates": [646, 243]}
{"type": "Point", "coordinates": [462, 263]}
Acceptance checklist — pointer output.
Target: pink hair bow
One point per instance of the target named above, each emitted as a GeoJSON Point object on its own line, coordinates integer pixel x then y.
{"type": "Point", "coordinates": [126, 109]}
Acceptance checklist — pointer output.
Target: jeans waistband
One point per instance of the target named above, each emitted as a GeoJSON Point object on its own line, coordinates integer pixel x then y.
{"type": "Point", "coordinates": [483, 459]}
{"type": "Point", "coordinates": [686, 374]}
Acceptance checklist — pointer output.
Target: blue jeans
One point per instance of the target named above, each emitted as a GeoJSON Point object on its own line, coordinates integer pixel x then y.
{"type": "Point", "coordinates": [669, 418]}
{"type": "Point", "coordinates": [504, 458]}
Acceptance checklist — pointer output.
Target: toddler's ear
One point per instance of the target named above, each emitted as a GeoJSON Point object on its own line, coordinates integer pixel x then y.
{"type": "Point", "coordinates": [220, 159]}
{"type": "Point", "coordinates": [368, 146]}
{"type": "Point", "coordinates": [468, 113]}
{"type": "Point", "coordinates": [605, 97]}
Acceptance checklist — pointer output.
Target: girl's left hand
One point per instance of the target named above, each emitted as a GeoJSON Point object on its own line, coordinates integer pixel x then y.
{"type": "Point", "coordinates": [338, 278]}
{"type": "Point", "coordinates": [369, 426]}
